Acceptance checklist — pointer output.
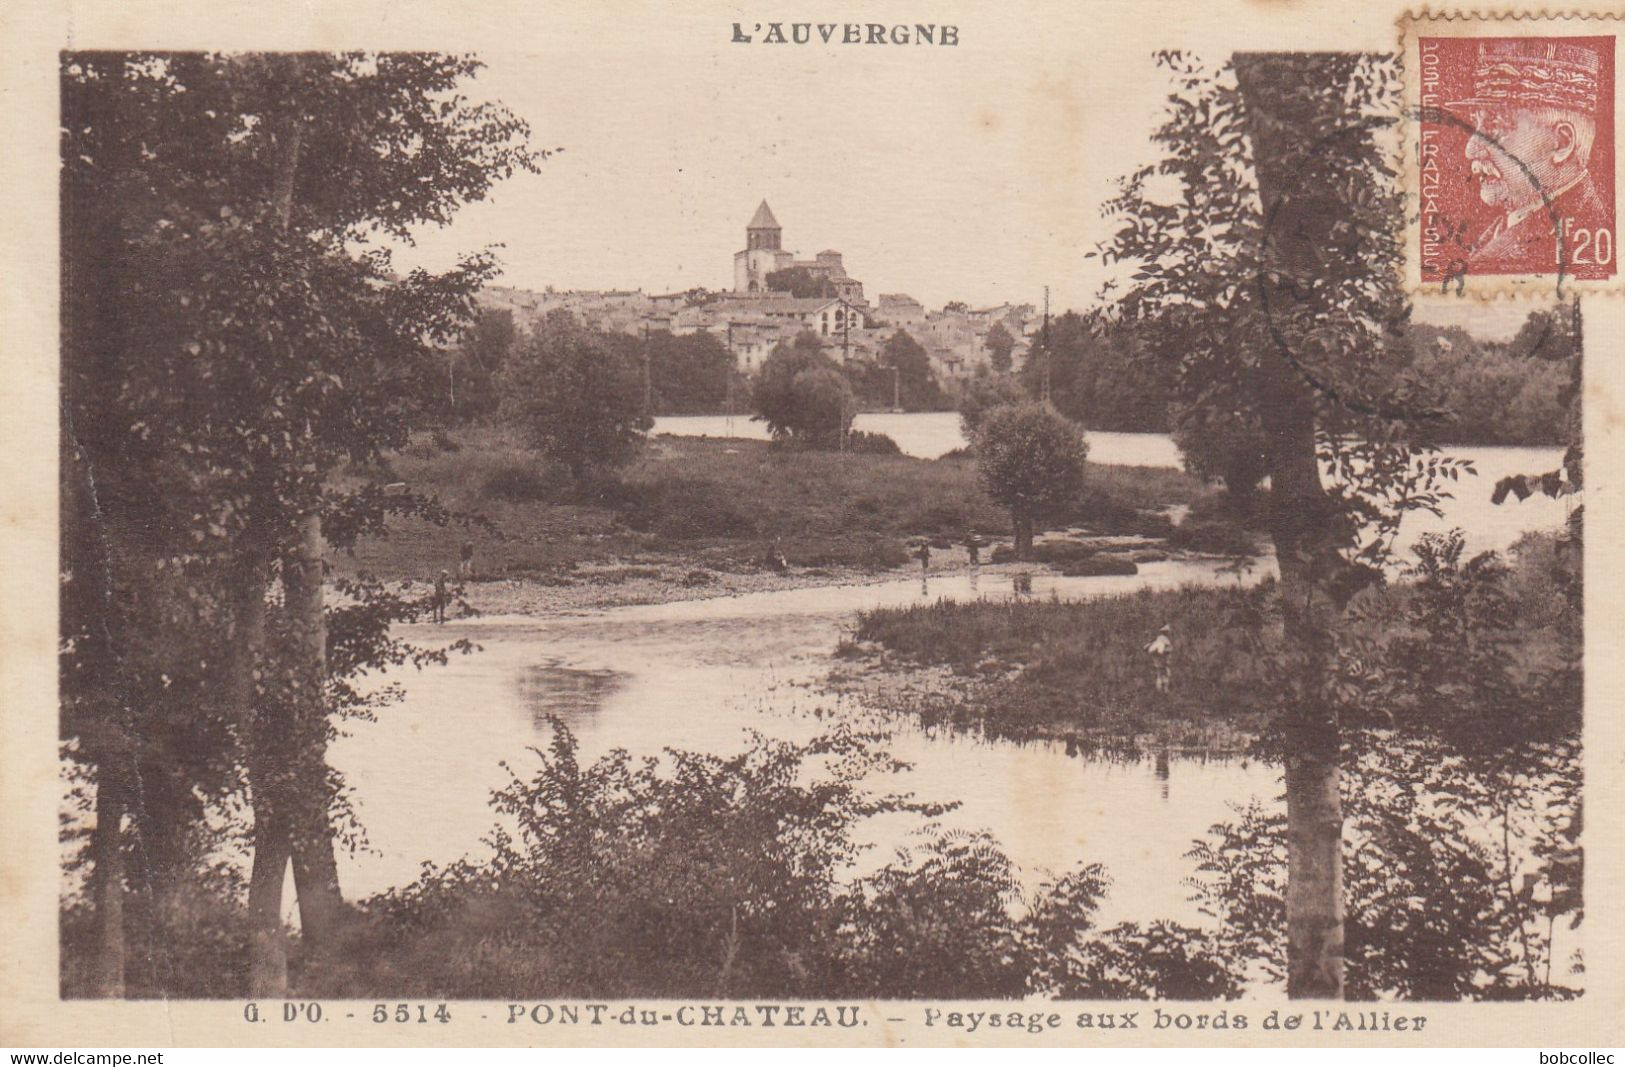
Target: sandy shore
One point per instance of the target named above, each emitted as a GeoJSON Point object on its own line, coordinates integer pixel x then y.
{"type": "Point", "coordinates": [665, 580]}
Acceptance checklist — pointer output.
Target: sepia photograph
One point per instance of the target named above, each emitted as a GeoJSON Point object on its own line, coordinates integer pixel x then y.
{"type": "Point", "coordinates": [812, 525]}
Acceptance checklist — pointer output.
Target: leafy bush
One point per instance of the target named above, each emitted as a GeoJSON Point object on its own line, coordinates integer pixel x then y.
{"type": "Point", "coordinates": [1213, 536]}
{"type": "Point", "coordinates": [723, 875]}
{"type": "Point", "coordinates": [1099, 566]}
{"type": "Point", "coordinates": [1440, 905]}
{"type": "Point", "coordinates": [1030, 460]}
{"type": "Point", "coordinates": [865, 442]}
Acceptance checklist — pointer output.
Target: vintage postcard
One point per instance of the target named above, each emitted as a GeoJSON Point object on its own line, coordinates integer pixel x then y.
{"type": "Point", "coordinates": [894, 524]}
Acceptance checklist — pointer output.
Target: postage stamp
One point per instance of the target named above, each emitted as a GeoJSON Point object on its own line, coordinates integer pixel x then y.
{"type": "Point", "coordinates": [1512, 156]}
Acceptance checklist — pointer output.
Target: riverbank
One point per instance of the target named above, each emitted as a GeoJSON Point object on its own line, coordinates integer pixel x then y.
{"type": "Point", "coordinates": [702, 517]}
{"type": "Point", "coordinates": [1079, 672]}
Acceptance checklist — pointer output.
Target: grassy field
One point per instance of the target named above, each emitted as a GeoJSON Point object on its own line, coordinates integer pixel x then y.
{"type": "Point", "coordinates": [1078, 670]}
{"type": "Point", "coordinates": [720, 504]}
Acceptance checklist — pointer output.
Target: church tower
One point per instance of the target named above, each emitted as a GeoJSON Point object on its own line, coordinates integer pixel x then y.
{"type": "Point", "coordinates": [763, 230]}
{"type": "Point", "coordinates": [763, 252]}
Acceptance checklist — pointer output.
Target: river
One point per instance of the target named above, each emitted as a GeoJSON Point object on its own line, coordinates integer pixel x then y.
{"type": "Point", "coordinates": [700, 674]}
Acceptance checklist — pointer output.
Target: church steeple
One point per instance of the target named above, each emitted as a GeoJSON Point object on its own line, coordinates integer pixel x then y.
{"type": "Point", "coordinates": [763, 230]}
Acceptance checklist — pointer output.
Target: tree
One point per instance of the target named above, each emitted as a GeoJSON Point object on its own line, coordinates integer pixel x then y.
{"type": "Point", "coordinates": [1548, 334]}
{"type": "Point", "coordinates": [981, 395]}
{"type": "Point", "coordinates": [800, 282]}
{"type": "Point", "coordinates": [1029, 459]}
{"type": "Point", "coordinates": [825, 406]}
{"type": "Point", "coordinates": [1000, 344]}
{"type": "Point", "coordinates": [1228, 445]}
{"type": "Point", "coordinates": [916, 386]}
{"type": "Point", "coordinates": [578, 395]}
{"type": "Point", "coordinates": [1100, 374]}
{"type": "Point", "coordinates": [474, 367]}
{"type": "Point", "coordinates": [225, 347]}
{"type": "Point", "coordinates": [812, 409]}
{"type": "Point", "coordinates": [1270, 287]}
{"type": "Point", "coordinates": [691, 374]}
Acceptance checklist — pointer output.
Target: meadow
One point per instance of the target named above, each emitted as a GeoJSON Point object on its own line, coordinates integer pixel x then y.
{"type": "Point", "coordinates": [718, 503]}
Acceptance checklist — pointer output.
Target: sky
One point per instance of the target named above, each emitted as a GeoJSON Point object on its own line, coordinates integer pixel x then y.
{"type": "Point", "coordinates": [974, 173]}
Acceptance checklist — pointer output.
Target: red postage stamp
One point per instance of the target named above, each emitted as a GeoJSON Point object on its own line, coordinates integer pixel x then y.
{"type": "Point", "coordinates": [1514, 156]}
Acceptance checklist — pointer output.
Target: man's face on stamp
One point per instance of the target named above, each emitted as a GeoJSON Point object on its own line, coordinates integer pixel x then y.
{"type": "Point", "coordinates": [1517, 146]}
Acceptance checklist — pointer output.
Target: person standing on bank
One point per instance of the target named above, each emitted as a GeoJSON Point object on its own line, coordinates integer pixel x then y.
{"type": "Point", "coordinates": [437, 606]}
{"type": "Point", "coordinates": [1161, 650]}
{"type": "Point", "coordinates": [465, 565]}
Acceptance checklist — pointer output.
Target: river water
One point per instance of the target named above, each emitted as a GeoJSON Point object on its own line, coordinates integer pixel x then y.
{"type": "Point", "coordinates": [700, 674]}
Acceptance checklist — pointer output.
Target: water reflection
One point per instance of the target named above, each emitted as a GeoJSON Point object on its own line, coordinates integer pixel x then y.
{"type": "Point", "coordinates": [571, 695]}
{"type": "Point", "coordinates": [701, 675]}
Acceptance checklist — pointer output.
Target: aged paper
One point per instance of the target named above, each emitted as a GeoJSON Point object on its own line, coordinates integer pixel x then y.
{"type": "Point", "coordinates": [955, 524]}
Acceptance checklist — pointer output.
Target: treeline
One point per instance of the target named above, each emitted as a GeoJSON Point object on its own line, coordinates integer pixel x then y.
{"type": "Point", "coordinates": [691, 374]}
{"type": "Point", "coordinates": [1104, 376]}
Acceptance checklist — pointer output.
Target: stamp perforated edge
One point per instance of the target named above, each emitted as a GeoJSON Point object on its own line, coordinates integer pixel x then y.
{"type": "Point", "coordinates": [1461, 22]}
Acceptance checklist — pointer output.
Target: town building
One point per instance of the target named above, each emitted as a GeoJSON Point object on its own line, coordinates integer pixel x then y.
{"type": "Point", "coordinates": [752, 319]}
{"type": "Point", "coordinates": [764, 253]}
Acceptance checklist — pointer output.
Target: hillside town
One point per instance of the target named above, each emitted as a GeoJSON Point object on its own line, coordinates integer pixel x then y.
{"type": "Point", "coordinates": [777, 296]}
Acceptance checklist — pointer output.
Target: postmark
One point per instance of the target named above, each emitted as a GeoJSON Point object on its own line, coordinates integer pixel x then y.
{"type": "Point", "coordinates": [1511, 156]}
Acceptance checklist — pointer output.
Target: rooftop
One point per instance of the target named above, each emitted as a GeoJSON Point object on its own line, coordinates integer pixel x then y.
{"type": "Point", "coordinates": [763, 219]}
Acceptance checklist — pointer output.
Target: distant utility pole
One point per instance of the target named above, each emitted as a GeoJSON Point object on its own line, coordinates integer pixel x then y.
{"type": "Point", "coordinates": [733, 369]}
{"type": "Point", "coordinates": [1043, 339]}
{"type": "Point", "coordinates": [648, 379]}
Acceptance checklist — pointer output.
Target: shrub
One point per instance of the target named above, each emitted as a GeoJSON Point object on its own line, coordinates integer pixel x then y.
{"type": "Point", "coordinates": [1214, 536]}
{"type": "Point", "coordinates": [867, 443]}
{"type": "Point", "coordinates": [1099, 566]}
{"type": "Point", "coordinates": [948, 517]}
{"type": "Point", "coordinates": [519, 482]}
{"type": "Point", "coordinates": [685, 509]}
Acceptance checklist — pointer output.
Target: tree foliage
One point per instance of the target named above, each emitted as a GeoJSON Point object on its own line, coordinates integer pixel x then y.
{"type": "Point", "coordinates": [800, 282]}
{"type": "Point", "coordinates": [1100, 373]}
{"type": "Point", "coordinates": [230, 336]}
{"type": "Point", "coordinates": [690, 374]}
{"type": "Point", "coordinates": [916, 385]}
{"type": "Point", "coordinates": [579, 395]}
{"type": "Point", "coordinates": [1000, 345]}
{"type": "Point", "coordinates": [1030, 459]}
{"type": "Point", "coordinates": [802, 396]}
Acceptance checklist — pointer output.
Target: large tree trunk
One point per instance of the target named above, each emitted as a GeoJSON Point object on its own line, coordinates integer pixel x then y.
{"type": "Point", "coordinates": [315, 870]}
{"type": "Point", "coordinates": [1299, 518]}
{"type": "Point", "coordinates": [1302, 520]}
{"type": "Point", "coordinates": [107, 883]}
{"type": "Point", "coordinates": [268, 959]}
{"type": "Point", "coordinates": [268, 950]}
{"type": "Point", "coordinates": [296, 824]}
{"type": "Point", "coordinates": [1022, 523]}
{"type": "Point", "coordinates": [1314, 891]}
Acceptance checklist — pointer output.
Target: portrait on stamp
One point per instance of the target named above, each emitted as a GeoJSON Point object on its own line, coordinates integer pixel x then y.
{"type": "Point", "coordinates": [1517, 146]}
